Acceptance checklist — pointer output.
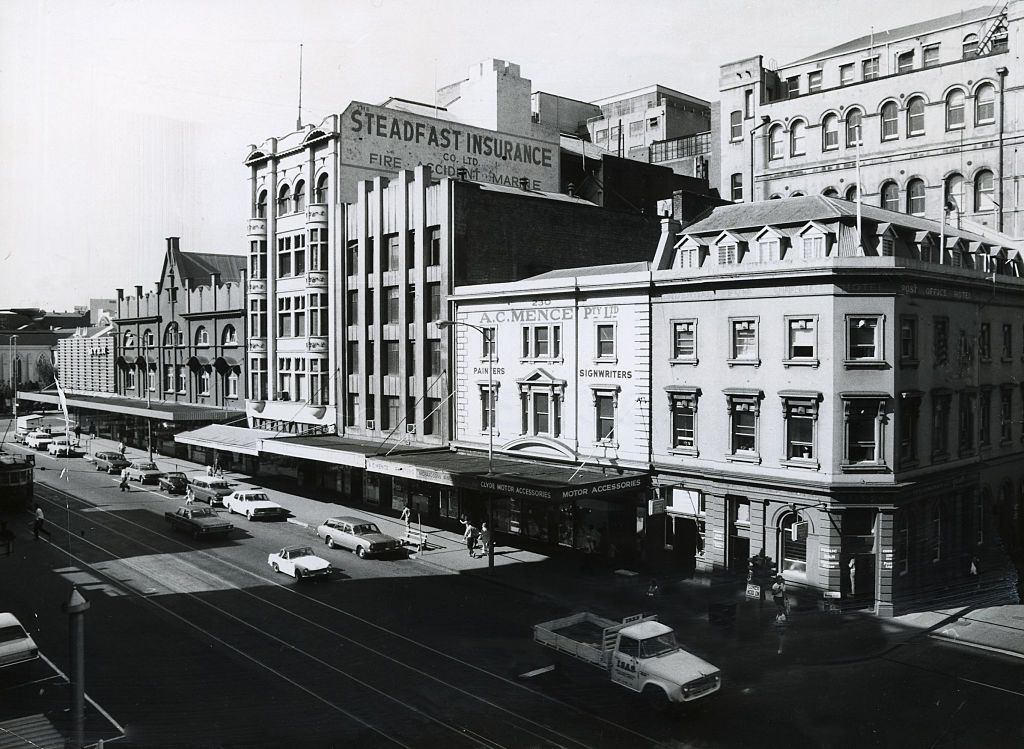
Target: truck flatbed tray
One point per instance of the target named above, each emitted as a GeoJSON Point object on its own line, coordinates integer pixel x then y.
{"type": "Point", "coordinates": [585, 631]}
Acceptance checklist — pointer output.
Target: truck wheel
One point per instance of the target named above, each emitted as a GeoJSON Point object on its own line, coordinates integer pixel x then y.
{"type": "Point", "coordinates": [276, 568]}
{"type": "Point", "coordinates": [655, 698]}
{"type": "Point", "coordinates": [330, 542]}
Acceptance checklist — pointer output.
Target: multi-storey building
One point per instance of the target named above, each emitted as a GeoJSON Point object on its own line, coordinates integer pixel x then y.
{"type": "Point", "coordinates": [846, 403]}
{"type": "Point", "coordinates": [924, 118]}
{"type": "Point", "coordinates": [85, 361]}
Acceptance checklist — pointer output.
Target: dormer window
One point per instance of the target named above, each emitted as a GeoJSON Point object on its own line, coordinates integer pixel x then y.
{"type": "Point", "coordinates": [812, 246]}
{"type": "Point", "coordinates": [727, 254]}
{"type": "Point", "coordinates": [768, 249]}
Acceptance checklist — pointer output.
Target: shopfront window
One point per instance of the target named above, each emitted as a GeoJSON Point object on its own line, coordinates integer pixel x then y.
{"type": "Point", "coordinates": [793, 544]}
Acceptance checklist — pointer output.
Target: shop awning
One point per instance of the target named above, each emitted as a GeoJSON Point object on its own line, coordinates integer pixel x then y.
{"type": "Point", "coordinates": [526, 479]}
{"type": "Point", "coordinates": [226, 362]}
{"type": "Point", "coordinates": [164, 411]}
{"type": "Point", "coordinates": [227, 438]}
{"type": "Point", "coordinates": [326, 448]}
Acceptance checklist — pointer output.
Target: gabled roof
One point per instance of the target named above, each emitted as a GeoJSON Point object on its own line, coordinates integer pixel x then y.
{"type": "Point", "coordinates": [881, 38]}
{"type": "Point", "coordinates": [198, 266]}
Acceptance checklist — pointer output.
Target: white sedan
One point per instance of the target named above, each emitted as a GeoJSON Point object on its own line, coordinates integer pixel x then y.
{"type": "Point", "coordinates": [61, 446]}
{"type": "Point", "coordinates": [16, 645]}
{"type": "Point", "coordinates": [253, 504]}
{"type": "Point", "coordinates": [38, 440]}
{"type": "Point", "coordinates": [300, 562]}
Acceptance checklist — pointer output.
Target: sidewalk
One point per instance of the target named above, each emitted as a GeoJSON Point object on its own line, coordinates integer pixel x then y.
{"type": "Point", "coordinates": [693, 606]}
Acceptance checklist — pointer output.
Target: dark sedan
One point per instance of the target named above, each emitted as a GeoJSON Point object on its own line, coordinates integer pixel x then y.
{"type": "Point", "coordinates": [110, 462]}
{"type": "Point", "coordinates": [174, 482]}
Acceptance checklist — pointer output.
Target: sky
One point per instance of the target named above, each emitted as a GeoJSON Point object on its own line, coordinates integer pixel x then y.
{"type": "Point", "coordinates": [123, 122]}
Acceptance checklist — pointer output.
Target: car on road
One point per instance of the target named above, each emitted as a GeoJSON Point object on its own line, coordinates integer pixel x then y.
{"type": "Point", "coordinates": [38, 440]}
{"type": "Point", "coordinates": [300, 562]}
{"type": "Point", "coordinates": [201, 522]}
{"type": "Point", "coordinates": [61, 446]}
{"type": "Point", "coordinates": [144, 471]}
{"type": "Point", "coordinates": [16, 645]}
{"type": "Point", "coordinates": [355, 534]}
{"type": "Point", "coordinates": [110, 461]}
{"type": "Point", "coordinates": [253, 503]}
{"type": "Point", "coordinates": [174, 482]}
{"type": "Point", "coordinates": [208, 489]}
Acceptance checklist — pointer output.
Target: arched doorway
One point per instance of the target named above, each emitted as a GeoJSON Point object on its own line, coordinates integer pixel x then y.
{"type": "Point", "coordinates": [792, 545]}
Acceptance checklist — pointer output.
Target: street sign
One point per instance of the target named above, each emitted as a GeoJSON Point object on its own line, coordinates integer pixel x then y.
{"type": "Point", "coordinates": [753, 591]}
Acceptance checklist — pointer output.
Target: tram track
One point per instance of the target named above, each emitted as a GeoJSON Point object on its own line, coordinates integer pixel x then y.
{"type": "Point", "coordinates": [484, 702]}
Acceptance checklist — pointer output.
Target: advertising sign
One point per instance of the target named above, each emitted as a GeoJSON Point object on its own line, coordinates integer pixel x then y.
{"type": "Point", "coordinates": [379, 139]}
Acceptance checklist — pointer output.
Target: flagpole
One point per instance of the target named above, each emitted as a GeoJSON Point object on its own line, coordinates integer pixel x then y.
{"type": "Point", "coordinates": [860, 235]}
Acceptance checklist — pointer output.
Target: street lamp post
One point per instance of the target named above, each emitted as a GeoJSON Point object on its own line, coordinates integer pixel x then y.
{"type": "Point", "coordinates": [149, 401]}
{"type": "Point", "coordinates": [14, 377]}
{"type": "Point", "coordinates": [488, 342]}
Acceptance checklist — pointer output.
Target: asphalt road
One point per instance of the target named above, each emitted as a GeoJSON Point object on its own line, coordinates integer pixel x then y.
{"type": "Point", "coordinates": [201, 644]}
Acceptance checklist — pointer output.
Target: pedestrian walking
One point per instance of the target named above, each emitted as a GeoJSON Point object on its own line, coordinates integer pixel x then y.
{"type": "Point", "coordinates": [406, 516]}
{"type": "Point", "coordinates": [78, 432]}
{"type": "Point", "coordinates": [121, 448]}
{"type": "Point", "coordinates": [39, 525]}
{"type": "Point", "coordinates": [470, 536]}
{"type": "Point", "coordinates": [485, 539]}
{"type": "Point", "coordinates": [779, 597]}
{"type": "Point", "coordinates": [974, 571]}
{"type": "Point", "coordinates": [852, 565]}
{"type": "Point", "coordinates": [652, 589]}
{"type": "Point", "coordinates": [189, 496]}
{"type": "Point", "coordinates": [124, 480]}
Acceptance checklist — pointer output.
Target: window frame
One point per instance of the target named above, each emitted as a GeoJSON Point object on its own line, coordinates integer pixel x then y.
{"type": "Point", "coordinates": [827, 132]}
{"type": "Point", "coordinates": [803, 407]}
{"type": "Point", "coordinates": [915, 117]}
{"type": "Point", "coordinates": [889, 115]}
{"type": "Point", "coordinates": [989, 105]}
{"type": "Point", "coordinates": [742, 401]}
{"type": "Point", "coordinates": [683, 403]}
{"type": "Point", "coordinates": [797, 138]}
{"type": "Point", "coordinates": [872, 408]}
{"type": "Point", "coordinates": [735, 126]}
{"type": "Point", "coordinates": [678, 325]}
{"type": "Point", "coordinates": [908, 340]}
{"type": "Point", "coordinates": [531, 342]}
{"type": "Point", "coordinates": [605, 394]}
{"type": "Point", "coordinates": [954, 111]}
{"type": "Point", "coordinates": [599, 356]}
{"type": "Point", "coordinates": [751, 322]}
{"type": "Point", "coordinates": [914, 200]}
{"type": "Point", "coordinates": [878, 359]}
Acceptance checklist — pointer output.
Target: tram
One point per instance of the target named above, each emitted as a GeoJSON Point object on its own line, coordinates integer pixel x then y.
{"type": "Point", "coordinates": [16, 481]}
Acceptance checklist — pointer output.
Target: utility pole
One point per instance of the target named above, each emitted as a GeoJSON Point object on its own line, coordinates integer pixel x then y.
{"type": "Point", "coordinates": [15, 377]}
{"type": "Point", "coordinates": [75, 609]}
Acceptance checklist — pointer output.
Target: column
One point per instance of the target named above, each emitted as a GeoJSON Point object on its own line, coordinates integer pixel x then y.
{"type": "Point", "coordinates": [884, 561]}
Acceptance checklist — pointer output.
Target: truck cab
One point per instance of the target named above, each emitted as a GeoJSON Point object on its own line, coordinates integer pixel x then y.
{"type": "Point", "coordinates": [647, 655]}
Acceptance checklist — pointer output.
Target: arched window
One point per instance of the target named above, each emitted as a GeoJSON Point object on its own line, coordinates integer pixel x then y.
{"type": "Point", "coordinates": [985, 105]}
{"type": "Point", "coordinates": [830, 192]}
{"type": "Point", "coordinates": [775, 142]}
{"type": "Point", "coordinates": [300, 196]}
{"type": "Point", "coordinates": [915, 116]}
{"type": "Point", "coordinates": [955, 110]}
{"type": "Point", "coordinates": [797, 194]}
{"type": "Point", "coordinates": [775, 197]}
{"type": "Point", "coordinates": [171, 335]}
{"type": "Point", "coordinates": [128, 341]}
{"type": "Point", "coordinates": [283, 196]}
{"type": "Point", "coordinates": [970, 46]}
{"type": "Point", "coordinates": [983, 192]}
{"type": "Point", "coordinates": [147, 337]}
{"type": "Point", "coordinates": [955, 192]}
{"type": "Point", "coordinates": [890, 118]}
{"type": "Point", "coordinates": [229, 337]}
{"type": "Point", "coordinates": [830, 133]}
{"type": "Point", "coordinates": [915, 197]}
{"type": "Point", "coordinates": [890, 196]}
{"type": "Point", "coordinates": [853, 133]}
{"type": "Point", "coordinates": [321, 189]}
{"type": "Point", "coordinates": [204, 381]}
{"type": "Point", "coordinates": [796, 139]}
{"type": "Point", "coordinates": [261, 205]}
{"type": "Point", "coordinates": [793, 544]}
{"type": "Point", "coordinates": [851, 193]}
{"type": "Point", "coordinates": [202, 336]}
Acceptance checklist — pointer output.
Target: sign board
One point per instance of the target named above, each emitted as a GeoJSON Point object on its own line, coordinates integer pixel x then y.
{"type": "Point", "coordinates": [524, 488]}
{"type": "Point", "coordinates": [686, 502]}
{"type": "Point", "coordinates": [828, 557]}
{"type": "Point", "coordinates": [378, 139]}
{"type": "Point", "coordinates": [753, 591]}
{"type": "Point", "coordinates": [655, 506]}
{"type": "Point", "coordinates": [832, 594]}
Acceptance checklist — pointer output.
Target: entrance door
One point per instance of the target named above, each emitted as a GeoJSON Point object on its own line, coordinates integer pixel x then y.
{"type": "Point", "coordinates": [858, 577]}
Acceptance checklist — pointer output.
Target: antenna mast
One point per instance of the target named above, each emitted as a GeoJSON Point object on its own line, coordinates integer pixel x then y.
{"type": "Point", "coordinates": [298, 121]}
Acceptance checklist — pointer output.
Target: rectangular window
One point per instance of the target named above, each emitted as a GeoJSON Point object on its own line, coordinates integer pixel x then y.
{"type": "Point", "coordinates": [748, 103]}
{"type": "Point", "coordinates": [743, 414]}
{"type": "Point", "coordinates": [542, 342]}
{"type": "Point", "coordinates": [869, 69]}
{"type": "Point", "coordinates": [636, 128]}
{"type": "Point", "coordinates": [726, 254]}
{"type": "Point", "coordinates": [862, 425]}
{"type": "Point", "coordinates": [985, 417]}
{"type": "Point", "coordinates": [486, 412]}
{"type": "Point", "coordinates": [768, 250]}
{"type": "Point", "coordinates": [604, 411]}
{"type": "Point", "coordinates": [284, 256]}
{"type": "Point", "coordinates": [433, 357]}
{"type": "Point", "coordinates": [182, 379]}
{"type": "Point", "coordinates": [169, 378]}
{"type": "Point", "coordinates": [605, 341]}
{"type": "Point", "coordinates": [284, 317]}
{"type": "Point", "coordinates": [300, 316]}
{"type": "Point", "coordinates": [846, 74]}
{"type": "Point", "coordinates": [351, 409]}
{"type": "Point", "coordinates": [905, 62]}
{"type": "Point", "coordinates": [352, 357]}
{"type": "Point", "coordinates": [684, 340]}
{"type": "Point", "coordinates": [318, 314]}
{"type": "Point", "coordinates": [792, 86]}
{"type": "Point", "coordinates": [434, 300]}
{"type": "Point", "coordinates": [318, 249]}
{"type": "Point", "coordinates": [601, 136]}
{"type": "Point", "coordinates": [684, 422]}
{"type": "Point", "coordinates": [488, 342]}
{"type": "Point", "coordinates": [541, 413]}
{"type": "Point", "coordinates": [908, 339]}
{"type": "Point", "coordinates": [863, 337]}
{"type": "Point", "coordinates": [392, 253]}
{"type": "Point", "coordinates": [1007, 347]}
{"type": "Point", "coordinates": [801, 415]}
{"type": "Point", "coordinates": [814, 81]}
{"type": "Point", "coordinates": [812, 247]}
{"type": "Point", "coordinates": [940, 342]}
{"type": "Point", "coordinates": [736, 125]}
{"type": "Point", "coordinates": [736, 187]}
{"type": "Point", "coordinates": [931, 55]}
{"type": "Point", "coordinates": [985, 342]}
{"type": "Point", "coordinates": [371, 357]}
{"type": "Point", "coordinates": [803, 339]}
{"type": "Point", "coordinates": [744, 341]}
{"type": "Point", "coordinates": [352, 257]}
{"type": "Point", "coordinates": [410, 248]}
{"type": "Point", "coordinates": [431, 415]}
{"type": "Point", "coordinates": [391, 305]}
{"type": "Point", "coordinates": [966, 423]}
{"type": "Point", "coordinates": [910, 409]}
{"type": "Point", "coordinates": [434, 248]}
{"type": "Point", "coordinates": [1006, 415]}
{"type": "Point", "coordinates": [391, 358]}
{"type": "Point", "coordinates": [940, 424]}
{"type": "Point", "coordinates": [392, 414]}
{"type": "Point", "coordinates": [299, 254]}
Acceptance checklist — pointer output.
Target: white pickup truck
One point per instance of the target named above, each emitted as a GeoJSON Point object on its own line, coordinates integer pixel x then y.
{"type": "Point", "coordinates": [640, 653]}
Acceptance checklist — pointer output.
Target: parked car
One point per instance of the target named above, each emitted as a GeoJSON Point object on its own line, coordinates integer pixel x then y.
{"type": "Point", "coordinates": [300, 562]}
{"type": "Point", "coordinates": [253, 503]}
{"type": "Point", "coordinates": [16, 645]}
{"type": "Point", "coordinates": [110, 462]}
{"type": "Point", "coordinates": [201, 522]}
{"type": "Point", "coordinates": [38, 440]}
{"type": "Point", "coordinates": [61, 446]}
{"type": "Point", "coordinates": [210, 490]}
{"type": "Point", "coordinates": [174, 482]}
{"type": "Point", "coordinates": [144, 471]}
{"type": "Point", "coordinates": [360, 536]}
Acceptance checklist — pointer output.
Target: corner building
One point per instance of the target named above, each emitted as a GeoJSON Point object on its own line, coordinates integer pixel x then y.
{"type": "Point", "coordinates": [931, 109]}
{"type": "Point", "coordinates": [848, 405]}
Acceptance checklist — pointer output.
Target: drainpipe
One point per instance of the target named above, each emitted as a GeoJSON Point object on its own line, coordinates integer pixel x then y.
{"type": "Point", "coordinates": [1002, 91]}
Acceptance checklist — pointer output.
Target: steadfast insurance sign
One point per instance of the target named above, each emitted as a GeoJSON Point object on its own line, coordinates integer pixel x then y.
{"type": "Point", "coordinates": [382, 140]}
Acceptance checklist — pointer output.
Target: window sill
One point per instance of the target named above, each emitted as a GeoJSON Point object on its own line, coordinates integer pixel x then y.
{"type": "Point", "coordinates": [690, 452]}
{"type": "Point", "coordinates": [607, 443]}
{"type": "Point", "coordinates": [542, 360]}
{"type": "Point", "coordinates": [800, 362]}
{"type": "Point", "coordinates": [744, 362]}
{"type": "Point", "coordinates": [684, 362]}
{"type": "Point", "coordinates": [865, 363]}
{"type": "Point", "coordinates": [864, 468]}
{"type": "Point", "coordinates": [743, 458]}
{"type": "Point", "coordinates": [607, 360]}
{"type": "Point", "coordinates": [804, 463]}
{"type": "Point", "coordinates": [496, 433]}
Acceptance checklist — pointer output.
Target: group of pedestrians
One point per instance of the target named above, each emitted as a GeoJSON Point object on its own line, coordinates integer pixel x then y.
{"type": "Point", "coordinates": [475, 536]}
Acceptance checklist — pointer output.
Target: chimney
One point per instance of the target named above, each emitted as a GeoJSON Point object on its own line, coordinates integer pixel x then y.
{"type": "Point", "coordinates": [138, 290]}
{"type": "Point", "coordinates": [172, 243]}
{"type": "Point", "coordinates": [670, 229]}
{"type": "Point", "coordinates": [214, 280]}
{"type": "Point", "coordinates": [120, 295]}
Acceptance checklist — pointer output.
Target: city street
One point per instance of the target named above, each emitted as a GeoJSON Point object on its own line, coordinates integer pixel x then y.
{"type": "Point", "coordinates": [199, 643]}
